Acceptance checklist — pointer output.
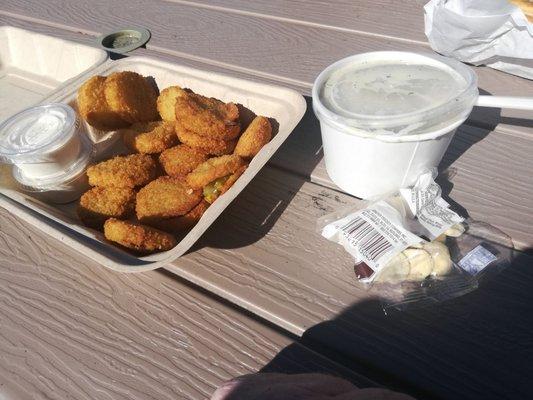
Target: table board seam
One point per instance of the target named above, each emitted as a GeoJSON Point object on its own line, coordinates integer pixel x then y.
{"type": "Point", "coordinates": [303, 86]}
{"type": "Point", "coordinates": [293, 21]}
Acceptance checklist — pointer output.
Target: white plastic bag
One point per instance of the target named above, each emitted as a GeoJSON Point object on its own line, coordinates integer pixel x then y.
{"type": "Point", "coordinates": [489, 32]}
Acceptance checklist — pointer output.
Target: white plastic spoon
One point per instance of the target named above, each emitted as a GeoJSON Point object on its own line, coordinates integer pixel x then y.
{"type": "Point", "coordinates": [519, 103]}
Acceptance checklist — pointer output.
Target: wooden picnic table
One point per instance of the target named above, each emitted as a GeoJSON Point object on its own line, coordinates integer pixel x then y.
{"type": "Point", "coordinates": [261, 279]}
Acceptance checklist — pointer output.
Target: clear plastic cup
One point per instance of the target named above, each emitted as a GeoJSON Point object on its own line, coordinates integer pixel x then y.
{"type": "Point", "coordinates": [40, 135]}
{"type": "Point", "coordinates": [57, 186]}
{"type": "Point", "coordinates": [386, 117]}
{"type": "Point", "coordinates": [48, 152]}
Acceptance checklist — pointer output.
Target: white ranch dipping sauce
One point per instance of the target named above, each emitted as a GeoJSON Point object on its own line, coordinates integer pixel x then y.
{"type": "Point", "coordinates": [378, 88]}
{"type": "Point", "coordinates": [48, 154]}
{"type": "Point", "coordinates": [393, 93]}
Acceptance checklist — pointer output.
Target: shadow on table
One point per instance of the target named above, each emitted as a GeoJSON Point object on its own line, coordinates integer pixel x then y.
{"type": "Point", "coordinates": [302, 151]}
{"type": "Point", "coordinates": [478, 346]}
{"type": "Point", "coordinates": [445, 181]}
{"type": "Point", "coordinates": [466, 137]}
{"type": "Point", "coordinates": [257, 208]}
{"type": "Point", "coordinates": [267, 196]}
{"type": "Point", "coordinates": [486, 120]}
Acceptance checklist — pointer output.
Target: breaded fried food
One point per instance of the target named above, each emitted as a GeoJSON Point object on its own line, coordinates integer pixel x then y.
{"type": "Point", "coordinates": [101, 203]}
{"type": "Point", "coordinates": [258, 133]}
{"type": "Point", "coordinates": [150, 137]}
{"type": "Point", "coordinates": [180, 160]}
{"type": "Point", "coordinates": [131, 96]}
{"type": "Point", "coordinates": [137, 237]}
{"type": "Point", "coordinates": [93, 107]}
{"type": "Point", "coordinates": [166, 102]}
{"type": "Point", "coordinates": [123, 171]}
{"type": "Point", "coordinates": [166, 197]}
{"type": "Point", "coordinates": [208, 116]}
{"type": "Point", "coordinates": [213, 169]}
{"type": "Point", "coordinates": [179, 224]}
{"type": "Point", "coordinates": [206, 144]}
{"type": "Point", "coordinates": [221, 185]}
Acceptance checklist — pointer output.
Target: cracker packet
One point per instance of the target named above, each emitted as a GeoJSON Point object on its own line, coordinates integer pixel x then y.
{"type": "Point", "coordinates": [411, 249]}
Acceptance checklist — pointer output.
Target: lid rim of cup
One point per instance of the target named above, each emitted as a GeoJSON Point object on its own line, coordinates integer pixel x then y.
{"type": "Point", "coordinates": [470, 92]}
{"type": "Point", "coordinates": [391, 138]}
{"type": "Point", "coordinates": [19, 157]}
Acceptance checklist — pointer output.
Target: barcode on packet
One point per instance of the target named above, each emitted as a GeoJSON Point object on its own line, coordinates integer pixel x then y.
{"type": "Point", "coordinates": [372, 245]}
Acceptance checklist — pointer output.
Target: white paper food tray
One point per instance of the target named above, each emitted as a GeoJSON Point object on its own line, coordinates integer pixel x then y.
{"type": "Point", "coordinates": [286, 106]}
{"type": "Point", "coordinates": [33, 65]}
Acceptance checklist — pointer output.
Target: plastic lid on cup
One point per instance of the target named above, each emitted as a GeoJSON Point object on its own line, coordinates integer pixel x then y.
{"type": "Point", "coordinates": [32, 135]}
{"type": "Point", "coordinates": [394, 93]}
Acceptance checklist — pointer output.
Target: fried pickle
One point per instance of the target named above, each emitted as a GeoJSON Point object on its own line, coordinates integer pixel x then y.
{"type": "Point", "coordinates": [258, 133]}
{"type": "Point", "coordinates": [137, 237]}
{"type": "Point", "coordinates": [150, 137]}
{"type": "Point", "coordinates": [180, 160]}
{"type": "Point", "coordinates": [179, 224]}
{"type": "Point", "coordinates": [166, 102]}
{"type": "Point", "coordinates": [164, 198]}
{"type": "Point", "coordinates": [208, 116]}
{"type": "Point", "coordinates": [220, 186]}
{"type": "Point", "coordinates": [206, 144]}
{"type": "Point", "coordinates": [101, 203]}
{"type": "Point", "coordinates": [131, 96]}
{"type": "Point", "coordinates": [214, 168]}
{"type": "Point", "coordinates": [123, 171]}
{"type": "Point", "coordinates": [93, 106]}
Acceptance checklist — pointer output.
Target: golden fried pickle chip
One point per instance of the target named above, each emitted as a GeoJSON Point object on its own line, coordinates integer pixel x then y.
{"type": "Point", "coordinates": [179, 224]}
{"type": "Point", "coordinates": [206, 144]}
{"type": "Point", "coordinates": [93, 106]}
{"type": "Point", "coordinates": [180, 160]}
{"type": "Point", "coordinates": [258, 133]}
{"type": "Point", "coordinates": [166, 102]}
{"type": "Point", "coordinates": [221, 185]}
{"type": "Point", "coordinates": [164, 198]}
{"type": "Point", "coordinates": [131, 96]}
{"type": "Point", "coordinates": [214, 168]}
{"type": "Point", "coordinates": [137, 237]}
{"type": "Point", "coordinates": [123, 171]}
{"type": "Point", "coordinates": [150, 137]}
{"type": "Point", "coordinates": [101, 203]}
{"type": "Point", "coordinates": [208, 116]}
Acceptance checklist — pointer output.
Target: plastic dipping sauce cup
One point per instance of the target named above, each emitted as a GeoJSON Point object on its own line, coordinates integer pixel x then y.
{"type": "Point", "coordinates": [386, 117]}
{"type": "Point", "coordinates": [48, 153]}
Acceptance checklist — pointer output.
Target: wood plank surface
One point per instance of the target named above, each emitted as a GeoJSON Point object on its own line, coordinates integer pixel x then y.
{"type": "Point", "coordinates": [404, 20]}
{"type": "Point", "coordinates": [474, 347]}
{"type": "Point", "coordinates": [73, 329]}
{"type": "Point", "coordinates": [487, 203]}
{"type": "Point", "coordinates": [258, 255]}
{"type": "Point", "coordinates": [279, 49]}
{"type": "Point", "coordinates": [493, 182]}
{"type": "Point", "coordinates": [77, 36]}
{"type": "Point", "coordinates": [264, 255]}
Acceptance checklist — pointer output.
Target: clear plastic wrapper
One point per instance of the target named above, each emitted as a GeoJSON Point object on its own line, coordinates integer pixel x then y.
{"type": "Point", "coordinates": [410, 249]}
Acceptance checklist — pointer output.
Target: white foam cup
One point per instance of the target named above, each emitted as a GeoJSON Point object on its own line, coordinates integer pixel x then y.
{"type": "Point", "coordinates": [386, 117]}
